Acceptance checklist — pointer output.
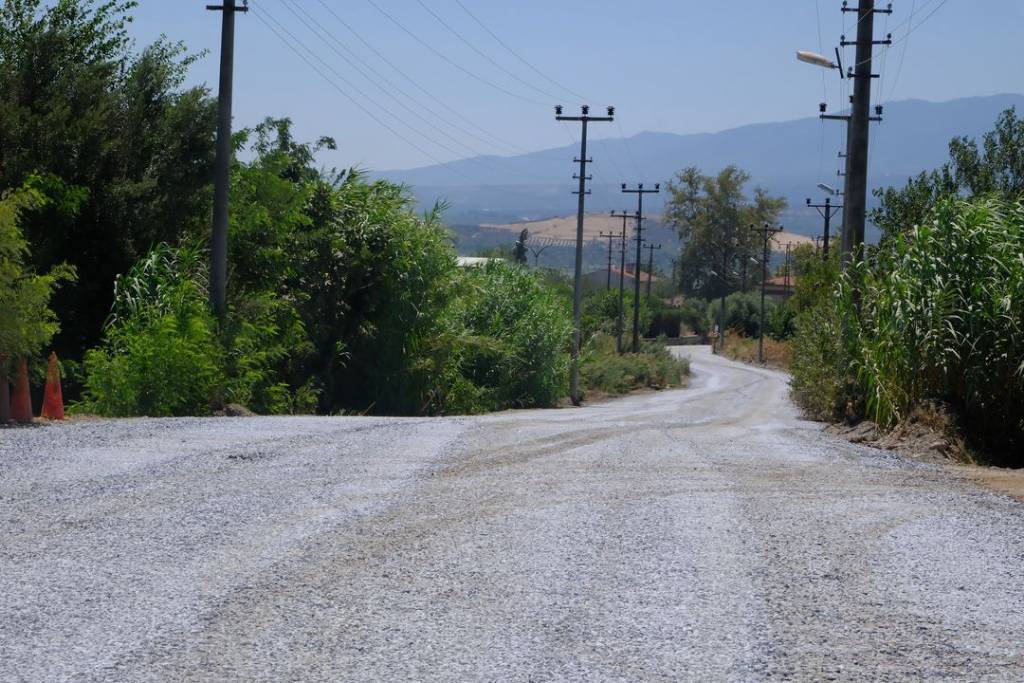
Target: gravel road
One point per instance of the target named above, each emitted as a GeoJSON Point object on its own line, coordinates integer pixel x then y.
{"type": "Point", "coordinates": [698, 535]}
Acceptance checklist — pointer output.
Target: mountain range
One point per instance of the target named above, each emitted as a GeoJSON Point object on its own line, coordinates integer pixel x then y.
{"type": "Point", "coordinates": [787, 158]}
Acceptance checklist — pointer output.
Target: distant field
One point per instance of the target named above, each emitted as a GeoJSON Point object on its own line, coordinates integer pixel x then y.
{"type": "Point", "coordinates": [564, 228]}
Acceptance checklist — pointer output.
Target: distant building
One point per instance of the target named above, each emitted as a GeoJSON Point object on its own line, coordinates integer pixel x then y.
{"type": "Point", "coordinates": [599, 278]}
{"type": "Point", "coordinates": [474, 261]}
{"type": "Point", "coordinates": [780, 286]}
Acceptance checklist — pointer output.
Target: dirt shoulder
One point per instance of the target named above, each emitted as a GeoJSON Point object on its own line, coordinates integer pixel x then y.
{"type": "Point", "coordinates": [920, 441]}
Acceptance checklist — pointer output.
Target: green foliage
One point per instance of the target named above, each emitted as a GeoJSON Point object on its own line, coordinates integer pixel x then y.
{"type": "Point", "coordinates": [161, 355]}
{"type": "Point", "coordinates": [27, 323]}
{"type": "Point", "coordinates": [941, 316]}
{"type": "Point", "coordinates": [600, 314]}
{"type": "Point", "coordinates": [996, 167]}
{"type": "Point", "coordinates": [605, 371]}
{"type": "Point", "coordinates": [504, 345]}
{"type": "Point", "coordinates": [116, 143]}
{"type": "Point", "coordinates": [696, 315]}
{"type": "Point", "coordinates": [712, 215]}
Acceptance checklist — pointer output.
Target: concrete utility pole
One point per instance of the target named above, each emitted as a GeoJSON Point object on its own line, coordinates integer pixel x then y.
{"type": "Point", "coordinates": [639, 192]}
{"type": "Point", "coordinates": [767, 233]}
{"type": "Point", "coordinates": [222, 168]}
{"type": "Point", "coordinates": [611, 237]}
{"type": "Point", "coordinates": [827, 212]}
{"type": "Point", "coordinates": [855, 206]}
{"type": "Point", "coordinates": [620, 328]}
{"type": "Point", "coordinates": [650, 269]}
{"type": "Point", "coordinates": [577, 299]}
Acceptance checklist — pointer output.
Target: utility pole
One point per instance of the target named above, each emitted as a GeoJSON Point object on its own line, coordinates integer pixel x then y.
{"type": "Point", "coordinates": [222, 167]}
{"type": "Point", "coordinates": [622, 280]}
{"type": "Point", "coordinates": [767, 233]}
{"type": "Point", "coordinates": [611, 237]}
{"type": "Point", "coordinates": [639, 192]}
{"type": "Point", "coordinates": [827, 211]}
{"type": "Point", "coordinates": [577, 298]}
{"type": "Point", "coordinates": [789, 246]}
{"type": "Point", "coordinates": [855, 206]}
{"type": "Point", "coordinates": [650, 268]}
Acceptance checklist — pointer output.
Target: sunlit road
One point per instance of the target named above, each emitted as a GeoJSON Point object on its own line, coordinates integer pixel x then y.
{"type": "Point", "coordinates": [698, 535]}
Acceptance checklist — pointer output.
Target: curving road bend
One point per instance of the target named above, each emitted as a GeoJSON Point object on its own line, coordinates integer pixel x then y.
{"type": "Point", "coordinates": [699, 535]}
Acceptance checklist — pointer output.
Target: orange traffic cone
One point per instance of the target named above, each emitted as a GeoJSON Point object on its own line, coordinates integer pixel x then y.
{"type": "Point", "coordinates": [5, 393]}
{"type": "Point", "coordinates": [53, 399]}
{"type": "Point", "coordinates": [21, 402]}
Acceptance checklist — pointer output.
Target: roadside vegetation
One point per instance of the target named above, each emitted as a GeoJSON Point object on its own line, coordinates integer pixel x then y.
{"type": "Point", "coordinates": [341, 298]}
{"type": "Point", "coordinates": [940, 317]}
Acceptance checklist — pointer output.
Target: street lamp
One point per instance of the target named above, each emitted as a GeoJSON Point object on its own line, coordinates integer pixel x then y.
{"type": "Point", "coordinates": [815, 59]}
{"type": "Point", "coordinates": [827, 189]}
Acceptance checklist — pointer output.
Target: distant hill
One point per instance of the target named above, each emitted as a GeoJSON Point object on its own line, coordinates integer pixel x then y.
{"type": "Point", "coordinates": [787, 158]}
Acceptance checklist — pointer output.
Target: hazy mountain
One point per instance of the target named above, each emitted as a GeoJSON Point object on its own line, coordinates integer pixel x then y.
{"type": "Point", "coordinates": [787, 158]}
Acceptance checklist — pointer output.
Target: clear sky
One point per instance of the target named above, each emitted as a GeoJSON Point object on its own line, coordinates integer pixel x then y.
{"type": "Point", "coordinates": [680, 66]}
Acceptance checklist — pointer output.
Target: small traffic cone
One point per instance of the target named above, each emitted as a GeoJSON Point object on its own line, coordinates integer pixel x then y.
{"type": "Point", "coordinates": [5, 392]}
{"type": "Point", "coordinates": [21, 402]}
{"type": "Point", "coordinates": [53, 399]}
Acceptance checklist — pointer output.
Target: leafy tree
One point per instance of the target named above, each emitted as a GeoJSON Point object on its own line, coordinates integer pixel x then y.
{"type": "Point", "coordinates": [712, 215]}
{"type": "Point", "coordinates": [994, 167]}
{"type": "Point", "coordinates": [27, 323]}
{"type": "Point", "coordinates": [120, 149]}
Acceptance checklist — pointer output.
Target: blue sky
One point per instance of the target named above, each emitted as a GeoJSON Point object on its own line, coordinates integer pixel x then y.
{"type": "Point", "coordinates": [681, 66]}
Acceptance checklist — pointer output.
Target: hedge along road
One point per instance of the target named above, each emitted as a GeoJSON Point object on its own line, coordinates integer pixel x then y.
{"type": "Point", "coordinates": [704, 534]}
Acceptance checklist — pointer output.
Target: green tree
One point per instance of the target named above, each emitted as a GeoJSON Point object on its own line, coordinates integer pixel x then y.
{"type": "Point", "coordinates": [712, 215]}
{"type": "Point", "coordinates": [994, 167]}
{"type": "Point", "coordinates": [122, 151]}
{"type": "Point", "coordinates": [27, 324]}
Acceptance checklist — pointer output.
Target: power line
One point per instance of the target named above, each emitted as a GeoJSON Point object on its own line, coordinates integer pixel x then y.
{"type": "Point", "coordinates": [452, 62]}
{"type": "Point", "coordinates": [483, 160]}
{"type": "Point", "coordinates": [515, 54]}
{"type": "Point", "coordinates": [483, 54]}
{"type": "Point", "coordinates": [258, 13]}
{"type": "Point", "coordinates": [903, 55]}
{"type": "Point", "coordinates": [416, 84]}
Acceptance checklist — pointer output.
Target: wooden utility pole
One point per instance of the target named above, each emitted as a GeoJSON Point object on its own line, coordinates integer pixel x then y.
{"type": "Point", "coordinates": [855, 205]}
{"type": "Point", "coordinates": [577, 299]}
{"type": "Point", "coordinates": [650, 269]}
{"type": "Point", "coordinates": [639, 192]}
{"type": "Point", "coordinates": [827, 211]}
{"type": "Point", "coordinates": [222, 166]}
{"type": "Point", "coordinates": [620, 328]}
{"type": "Point", "coordinates": [611, 241]}
{"type": "Point", "coordinates": [767, 233]}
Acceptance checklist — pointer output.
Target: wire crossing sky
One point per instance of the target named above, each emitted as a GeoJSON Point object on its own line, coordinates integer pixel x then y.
{"type": "Point", "coordinates": [408, 83]}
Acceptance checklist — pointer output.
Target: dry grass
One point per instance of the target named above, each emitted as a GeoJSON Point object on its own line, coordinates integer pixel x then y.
{"type": "Point", "coordinates": [564, 227]}
{"type": "Point", "coordinates": [777, 353]}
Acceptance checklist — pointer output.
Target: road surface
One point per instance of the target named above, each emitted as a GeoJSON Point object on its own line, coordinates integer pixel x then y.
{"type": "Point", "coordinates": [698, 535]}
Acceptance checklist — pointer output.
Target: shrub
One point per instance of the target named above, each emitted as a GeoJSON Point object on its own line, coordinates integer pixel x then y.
{"type": "Point", "coordinates": [940, 317]}
{"type": "Point", "coordinates": [504, 345]}
{"type": "Point", "coordinates": [160, 355]}
{"type": "Point", "coordinates": [605, 371]}
{"type": "Point", "coordinates": [26, 322]}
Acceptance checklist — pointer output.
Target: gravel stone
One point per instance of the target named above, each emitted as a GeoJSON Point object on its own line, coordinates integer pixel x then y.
{"type": "Point", "coordinates": [706, 534]}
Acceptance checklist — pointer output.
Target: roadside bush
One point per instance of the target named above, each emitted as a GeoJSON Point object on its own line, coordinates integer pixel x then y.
{"type": "Point", "coordinates": [160, 355]}
{"type": "Point", "coordinates": [940, 317]}
{"type": "Point", "coordinates": [27, 324]}
{"type": "Point", "coordinates": [655, 367]}
{"type": "Point", "coordinates": [504, 344]}
{"type": "Point", "coordinates": [943, 318]}
{"type": "Point", "coordinates": [696, 316]}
